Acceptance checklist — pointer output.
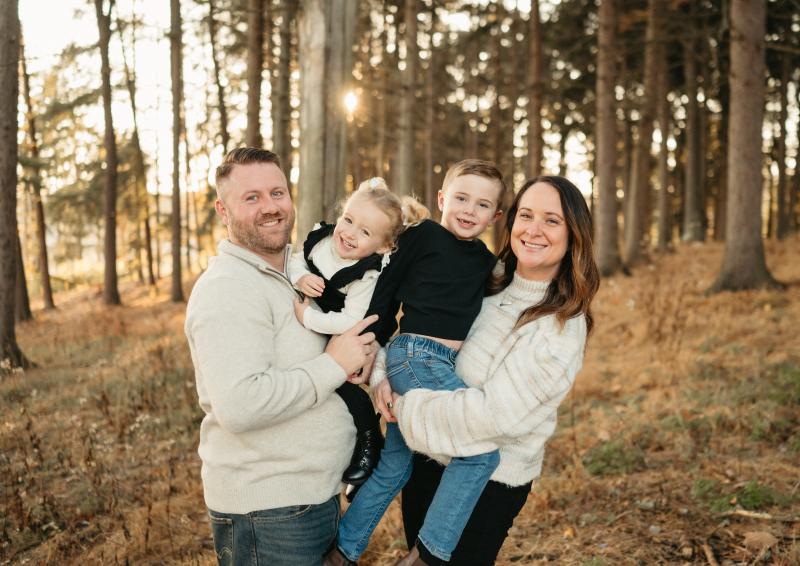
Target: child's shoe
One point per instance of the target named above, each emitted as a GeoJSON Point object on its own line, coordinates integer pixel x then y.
{"type": "Point", "coordinates": [365, 456]}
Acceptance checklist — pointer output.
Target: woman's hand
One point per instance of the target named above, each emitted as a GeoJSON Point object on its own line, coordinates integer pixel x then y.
{"type": "Point", "coordinates": [384, 399]}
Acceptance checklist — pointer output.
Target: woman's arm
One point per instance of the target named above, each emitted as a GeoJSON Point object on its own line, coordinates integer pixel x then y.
{"type": "Point", "coordinates": [524, 391]}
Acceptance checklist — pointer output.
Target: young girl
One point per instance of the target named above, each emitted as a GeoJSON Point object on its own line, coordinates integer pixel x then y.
{"type": "Point", "coordinates": [339, 267]}
{"type": "Point", "coordinates": [438, 275]}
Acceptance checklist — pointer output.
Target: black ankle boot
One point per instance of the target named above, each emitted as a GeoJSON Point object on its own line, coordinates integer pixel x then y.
{"type": "Point", "coordinates": [365, 456]}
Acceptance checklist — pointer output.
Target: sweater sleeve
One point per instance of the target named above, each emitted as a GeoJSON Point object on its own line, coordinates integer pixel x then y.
{"type": "Point", "coordinates": [524, 391]}
{"type": "Point", "coordinates": [231, 334]}
{"type": "Point", "coordinates": [355, 307]}
{"type": "Point", "coordinates": [384, 301]}
{"type": "Point", "coordinates": [296, 267]}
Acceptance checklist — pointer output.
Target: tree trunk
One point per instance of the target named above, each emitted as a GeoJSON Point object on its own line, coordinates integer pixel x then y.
{"type": "Point", "coordinates": [692, 202]}
{"type": "Point", "coordinates": [223, 112]}
{"type": "Point", "coordinates": [139, 168]}
{"type": "Point", "coordinates": [535, 93]}
{"type": "Point", "coordinates": [636, 224]}
{"type": "Point", "coordinates": [383, 95]}
{"type": "Point", "coordinates": [664, 200]}
{"type": "Point", "coordinates": [176, 64]}
{"type": "Point", "coordinates": [608, 260]}
{"type": "Point", "coordinates": [281, 110]}
{"type": "Point", "coordinates": [22, 302]}
{"type": "Point", "coordinates": [744, 265]}
{"type": "Point", "coordinates": [404, 172]}
{"type": "Point", "coordinates": [41, 226]}
{"type": "Point", "coordinates": [10, 354]}
{"type": "Point", "coordinates": [782, 193]}
{"type": "Point", "coordinates": [430, 116]}
{"type": "Point", "coordinates": [340, 16]}
{"type": "Point", "coordinates": [110, 290]}
{"type": "Point", "coordinates": [312, 36]}
{"type": "Point", "coordinates": [255, 68]}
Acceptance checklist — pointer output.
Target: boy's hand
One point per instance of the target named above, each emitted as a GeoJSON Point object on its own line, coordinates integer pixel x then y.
{"type": "Point", "coordinates": [311, 285]}
{"type": "Point", "coordinates": [300, 308]}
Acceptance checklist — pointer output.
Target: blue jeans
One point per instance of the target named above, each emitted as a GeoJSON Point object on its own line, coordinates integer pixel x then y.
{"type": "Point", "coordinates": [287, 536]}
{"type": "Point", "coordinates": [414, 362]}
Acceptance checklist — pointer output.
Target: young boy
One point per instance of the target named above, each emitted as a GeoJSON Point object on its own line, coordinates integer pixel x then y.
{"type": "Point", "coordinates": [438, 275]}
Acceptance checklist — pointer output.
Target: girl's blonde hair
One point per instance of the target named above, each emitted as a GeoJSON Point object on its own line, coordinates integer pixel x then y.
{"type": "Point", "coordinates": [379, 194]}
{"type": "Point", "coordinates": [414, 211]}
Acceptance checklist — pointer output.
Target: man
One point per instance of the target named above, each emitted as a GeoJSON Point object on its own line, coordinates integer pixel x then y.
{"type": "Point", "coordinates": [274, 441]}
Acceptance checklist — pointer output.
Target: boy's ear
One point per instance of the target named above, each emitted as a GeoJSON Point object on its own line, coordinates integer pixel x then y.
{"type": "Point", "coordinates": [440, 200]}
{"type": "Point", "coordinates": [498, 213]}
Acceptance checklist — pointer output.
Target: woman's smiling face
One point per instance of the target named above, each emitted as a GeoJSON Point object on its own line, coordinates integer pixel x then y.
{"type": "Point", "coordinates": [539, 236]}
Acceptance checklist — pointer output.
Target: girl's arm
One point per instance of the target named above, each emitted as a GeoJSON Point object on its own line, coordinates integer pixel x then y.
{"type": "Point", "coordinates": [522, 395]}
{"type": "Point", "coordinates": [296, 267]}
{"type": "Point", "coordinates": [355, 308]}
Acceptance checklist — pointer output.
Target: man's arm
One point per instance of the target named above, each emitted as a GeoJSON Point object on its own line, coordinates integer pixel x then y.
{"type": "Point", "coordinates": [232, 340]}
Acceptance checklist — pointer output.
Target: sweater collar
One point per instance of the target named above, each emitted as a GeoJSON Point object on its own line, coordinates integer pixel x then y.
{"type": "Point", "coordinates": [526, 290]}
{"type": "Point", "coordinates": [227, 247]}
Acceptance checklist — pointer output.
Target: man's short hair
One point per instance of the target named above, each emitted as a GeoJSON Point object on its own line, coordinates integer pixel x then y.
{"type": "Point", "coordinates": [242, 156]}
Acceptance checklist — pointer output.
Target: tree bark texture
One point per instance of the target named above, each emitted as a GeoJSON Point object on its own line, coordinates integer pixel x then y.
{"type": "Point", "coordinates": [637, 205]}
{"type": "Point", "coordinates": [664, 120]}
{"type": "Point", "coordinates": [176, 64]}
{"type": "Point", "coordinates": [608, 259]}
{"type": "Point", "coordinates": [340, 16]}
{"type": "Point", "coordinates": [10, 354]}
{"type": "Point", "coordinates": [110, 288]}
{"type": "Point", "coordinates": [281, 110]}
{"type": "Point", "coordinates": [255, 68]}
{"type": "Point", "coordinates": [41, 225]}
{"type": "Point", "coordinates": [312, 36]}
{"type": "Point", "coordinates": [535, 93]}
{"type": "Point", "coordinates": [744, 265]}
{"type": "Point", "coordinates": [22, 302]}
{"type": "Point", "coordinates": [782, 211]}
{"type": "Point", "coordinates": [404, 172]}
{"type": "Point", "coordinates": [693, 200]}
{"type": "Point", "coordinates": [223, 111]}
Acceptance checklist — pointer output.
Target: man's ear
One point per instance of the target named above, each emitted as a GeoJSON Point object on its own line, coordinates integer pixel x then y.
{"type": "Point", "coordinates": [219, 206]}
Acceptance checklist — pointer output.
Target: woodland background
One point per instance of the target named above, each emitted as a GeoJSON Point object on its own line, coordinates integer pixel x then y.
{"type": "Point", "coordinates": [678, 119]}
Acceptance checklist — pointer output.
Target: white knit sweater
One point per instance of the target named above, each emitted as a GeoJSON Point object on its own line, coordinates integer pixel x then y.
{"type": "Point", "coordinates": [516, 382]}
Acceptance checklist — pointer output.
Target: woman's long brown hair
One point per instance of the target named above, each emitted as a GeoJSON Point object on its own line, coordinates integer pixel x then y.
{"type": "Point", "coordinates": [571, 292]}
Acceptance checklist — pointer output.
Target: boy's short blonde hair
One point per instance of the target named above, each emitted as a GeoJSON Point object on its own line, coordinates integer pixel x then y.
{"type": "Point", "coordinates": [485, 169]}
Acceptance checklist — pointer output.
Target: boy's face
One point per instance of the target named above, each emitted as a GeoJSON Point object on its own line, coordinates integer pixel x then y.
{"type": "Point", "coordinates": [469, 205]}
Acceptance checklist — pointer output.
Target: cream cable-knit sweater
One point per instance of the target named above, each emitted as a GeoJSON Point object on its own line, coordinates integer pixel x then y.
{"type": "Point", "coordinates": [516, 382]}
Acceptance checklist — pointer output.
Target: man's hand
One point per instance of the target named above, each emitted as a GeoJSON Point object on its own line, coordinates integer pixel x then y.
{"type": "Point", "coordinates": [383, 397]}
{"type": "Point", "coordinates": [300, 308]}
{"type": "Point", "coordinates": [311, 285]}
{"type": "Point", "coordinates": [362, 374]}
{"type": "Point", "coordinates": [352, 349]}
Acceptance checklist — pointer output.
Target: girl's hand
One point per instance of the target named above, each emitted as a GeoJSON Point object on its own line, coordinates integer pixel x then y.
{"type": "Point", "coordinates": [311, 285]}
{"type": "Point", "coordinates": [300, 308]}
{"type": "Point", "coordinates": [384, 400]}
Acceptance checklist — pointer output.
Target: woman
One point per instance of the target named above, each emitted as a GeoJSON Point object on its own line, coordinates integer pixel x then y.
{"type": "Point", "coordinates": [520, 360]}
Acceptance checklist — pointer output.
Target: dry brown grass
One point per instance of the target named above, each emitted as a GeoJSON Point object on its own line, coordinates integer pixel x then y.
{"type": "Point", "coordinates": [688, 406]}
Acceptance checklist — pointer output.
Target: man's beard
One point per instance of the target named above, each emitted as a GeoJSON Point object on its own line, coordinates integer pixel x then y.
{"type": "Point", "coordinates": [249, 235]}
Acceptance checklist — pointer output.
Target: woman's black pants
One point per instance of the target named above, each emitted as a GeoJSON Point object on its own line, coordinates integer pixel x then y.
{"type": "Point", "coordinates": [487, 527]}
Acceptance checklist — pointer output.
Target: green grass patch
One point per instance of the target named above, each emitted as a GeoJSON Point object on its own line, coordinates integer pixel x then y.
{"type": "Point", "coordinates": [752, 496]}
{"type": "Point", "coordinates": [609, 458]}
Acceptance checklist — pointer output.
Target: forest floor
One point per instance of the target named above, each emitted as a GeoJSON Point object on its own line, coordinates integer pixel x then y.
{"type": "Point", "coordinates": [680, 443]}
